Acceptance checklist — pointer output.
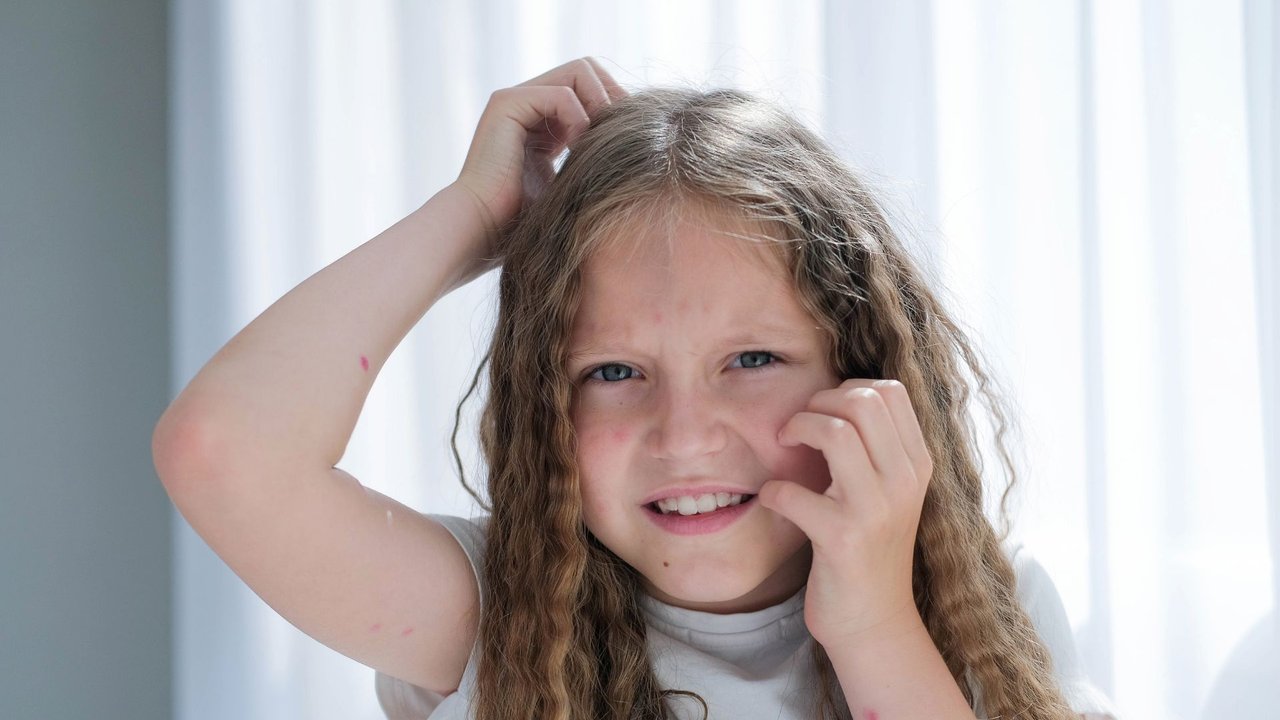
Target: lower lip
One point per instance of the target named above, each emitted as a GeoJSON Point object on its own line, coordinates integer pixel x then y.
{"type": "Point", "coordinates": [678, 524]}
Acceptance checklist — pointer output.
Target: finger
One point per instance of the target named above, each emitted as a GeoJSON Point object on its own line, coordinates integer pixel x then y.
{"type": "Point", "coordinates": [552, 111]}
{"type": "Point", "coordinates": [611, 86]}
{"type": "Point", "coordinates": [852, 475]}
{"type": "Point", "coordinates": [806, 509]}
{"type": "Point", "coordinates": [580, 76]}
{"type": "Point", "coordinates": [870, 414]}
{"type": "Point", "coordinates": [898, 400]}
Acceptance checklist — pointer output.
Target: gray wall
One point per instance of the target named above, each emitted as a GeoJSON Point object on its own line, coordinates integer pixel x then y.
{"type": "Point", "coordinates": [84, 360]}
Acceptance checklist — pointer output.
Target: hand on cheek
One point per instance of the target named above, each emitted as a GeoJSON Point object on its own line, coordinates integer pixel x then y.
{"type": "Point", "coordinates": [863, 527]}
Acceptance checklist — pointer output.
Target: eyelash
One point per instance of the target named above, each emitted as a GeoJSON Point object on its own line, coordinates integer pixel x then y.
{"type": "Point", "coordinates": [773, 359]}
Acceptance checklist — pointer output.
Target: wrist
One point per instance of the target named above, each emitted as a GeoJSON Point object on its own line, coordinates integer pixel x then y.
{"type": "Point", "coordinates": [459, 220]}
{"type": "Point", "coordinates": [886, 626]}
{"type": "Point", "coordinates": [897, 669]}
{"type": "Point", "coordinates": [478, 207]}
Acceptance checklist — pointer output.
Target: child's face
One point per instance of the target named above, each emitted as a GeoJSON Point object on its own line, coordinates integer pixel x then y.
{"type": "Point", "coordinates": [687, 359]}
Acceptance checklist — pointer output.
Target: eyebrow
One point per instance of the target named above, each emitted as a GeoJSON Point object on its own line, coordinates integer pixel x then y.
{"type": "Point", "coordinates": [760, 335]}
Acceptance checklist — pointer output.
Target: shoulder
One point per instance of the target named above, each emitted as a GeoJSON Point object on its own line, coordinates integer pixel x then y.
{"type": "Point", "coordinates": [1036, 590]}
{"type": "Point", "coordinates": [1040, 599]}
{"type": "Point", "coordinates": [470, 533]}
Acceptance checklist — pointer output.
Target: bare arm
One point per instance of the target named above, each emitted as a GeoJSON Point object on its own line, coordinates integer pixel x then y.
{"type": "Point", "coordinates": [292, 383]}
{"type": "Point", "coordinates": [897, 672]}
{"type": "Point", "coordinates": [247, 451]}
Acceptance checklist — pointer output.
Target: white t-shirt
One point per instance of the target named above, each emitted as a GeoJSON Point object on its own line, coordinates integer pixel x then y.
{"type": "Point", "coordinates": [746, 665]}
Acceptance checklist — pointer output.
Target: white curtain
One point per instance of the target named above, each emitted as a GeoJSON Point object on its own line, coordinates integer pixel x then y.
{"type": "Point", "coordinates": [1095, 183]}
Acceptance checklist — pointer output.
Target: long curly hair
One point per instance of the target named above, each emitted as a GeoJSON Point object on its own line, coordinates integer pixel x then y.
{"type": "Point", "coordinates": [561, 632]}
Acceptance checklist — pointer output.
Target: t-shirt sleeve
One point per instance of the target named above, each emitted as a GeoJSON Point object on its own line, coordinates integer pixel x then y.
{"type": "Point", "coordinates": [1040, 598]}
{"type": "Point", "coordinates": [402, 700]}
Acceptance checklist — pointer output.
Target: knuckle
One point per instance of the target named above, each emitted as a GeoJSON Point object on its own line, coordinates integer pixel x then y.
{"type": "Point", "coordinates": [835, 427]}
{"type": "Point", "coordinates": [890, 387]}
{"type": "Point", "coordinates": [861, 399]}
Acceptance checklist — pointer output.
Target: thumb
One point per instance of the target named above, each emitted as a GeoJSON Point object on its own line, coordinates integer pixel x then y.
{"type": "Point", "coordinates": [807, 509]}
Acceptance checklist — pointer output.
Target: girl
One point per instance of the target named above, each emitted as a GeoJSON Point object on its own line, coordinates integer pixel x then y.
{"type": "Point", "coordinates": [730, 472]}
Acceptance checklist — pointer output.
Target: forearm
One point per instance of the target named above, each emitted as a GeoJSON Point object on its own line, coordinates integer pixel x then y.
{"type": "Point", "coordinates": [292, 383]}
{"type": "Point", "coordinates": [897, 673]}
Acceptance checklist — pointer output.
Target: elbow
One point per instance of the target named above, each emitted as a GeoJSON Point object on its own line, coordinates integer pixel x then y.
{"type": "Point", "coordinates": [183, 448]}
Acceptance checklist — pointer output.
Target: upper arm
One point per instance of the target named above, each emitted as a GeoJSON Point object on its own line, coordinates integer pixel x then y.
{"type": "Point", "coordinates": [356, 570]}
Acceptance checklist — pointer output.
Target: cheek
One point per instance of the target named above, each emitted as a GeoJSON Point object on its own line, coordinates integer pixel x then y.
{"type": "Point", "coordinates": [602, 449]}
{"type": "Point", "coordinates": [801, 464]}
{"type": "Point", "coordinates": [601, 440]}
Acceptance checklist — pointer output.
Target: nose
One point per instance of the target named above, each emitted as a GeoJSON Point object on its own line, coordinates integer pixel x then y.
{"type": "Point", "coordinates": [688, 424]}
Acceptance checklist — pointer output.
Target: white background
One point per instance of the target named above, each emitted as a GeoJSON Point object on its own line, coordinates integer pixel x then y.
{"type": "Point", "coordinates": [1093, 183]}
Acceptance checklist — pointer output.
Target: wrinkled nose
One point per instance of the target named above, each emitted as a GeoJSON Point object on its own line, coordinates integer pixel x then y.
{"type": "Point", "coordinates": [687, 425]}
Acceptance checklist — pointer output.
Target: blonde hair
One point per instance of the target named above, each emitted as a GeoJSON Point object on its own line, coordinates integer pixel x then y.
{"type": "Point", "coordinates": [561, 632]}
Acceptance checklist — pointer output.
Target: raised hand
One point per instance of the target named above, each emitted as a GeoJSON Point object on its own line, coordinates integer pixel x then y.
{"type": "Point", "coordinates": [863, 527]}
{"type": "Point", "coordinates": [523, 130]}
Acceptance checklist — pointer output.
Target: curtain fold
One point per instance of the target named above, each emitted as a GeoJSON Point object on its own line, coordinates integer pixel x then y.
{"type": "Point", "coordinates": [1262, 75]}
{"type": "Point", "coordinates": [1095, 185]}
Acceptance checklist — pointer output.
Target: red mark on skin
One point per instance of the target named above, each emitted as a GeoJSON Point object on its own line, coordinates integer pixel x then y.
{"type": "Point", "coordinates": [871, 715]}
{"type": "Point", "coordinates": [364, 363]}
{"type": "Point", "coordinates": [657, 318]}
{"type": "Point", "coordinates": [406, 632]}
{"type": "Point", "coordinates": [619, 435]}
{"type": "Point", "coordinates": [376, 627]}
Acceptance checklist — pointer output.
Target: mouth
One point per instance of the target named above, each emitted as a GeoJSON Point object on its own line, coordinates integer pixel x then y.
{"type": "Point", "coordinates": [688, 506]}
{"type": "Point", "coordinates": [705, 523]}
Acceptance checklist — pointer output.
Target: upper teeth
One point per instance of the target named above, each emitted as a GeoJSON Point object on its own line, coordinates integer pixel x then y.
{"type": "Point", "coordinates": [690, 505]}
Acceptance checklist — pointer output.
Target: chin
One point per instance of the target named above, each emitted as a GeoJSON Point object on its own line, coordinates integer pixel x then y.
{"type": "Point", "coordinates": [721, 592]}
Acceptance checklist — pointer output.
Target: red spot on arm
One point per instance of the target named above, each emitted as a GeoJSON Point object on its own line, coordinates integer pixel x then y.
{"type": "Point", "coordinates": [406, 632]}
{"type": "Point", "coordinates": [375, 627]}
{"type": "Point", "coordinates": [364, 363]}
{"type": "Point", "coordinates": [871, 715]}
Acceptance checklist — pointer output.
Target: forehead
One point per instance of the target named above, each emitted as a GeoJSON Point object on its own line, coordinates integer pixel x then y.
{"type": "Point", "coordinates": [699, 262]}
{"type": "Point", "coordinates": [667, 231]}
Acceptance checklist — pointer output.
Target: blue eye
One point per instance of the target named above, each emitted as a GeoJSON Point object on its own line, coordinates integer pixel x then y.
{"type": "Point", "coordinates": [754, 359]}
{"type": "Point", "coordinates": [613, 372]}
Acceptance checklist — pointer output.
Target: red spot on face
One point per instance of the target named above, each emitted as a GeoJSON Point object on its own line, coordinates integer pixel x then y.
{"type": "Point", "coordinates": [619, 435]}
{"type": "Point", "coordinates": [376, 627]}
{"type": "Point", "coordinates": [406, 632]}
{"type": "Point", "coordinates": [364, 362]}
{"type": "Point", "coordinates": [657, 318]}
{"type": "Point", "coordinates": [871, 715]}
